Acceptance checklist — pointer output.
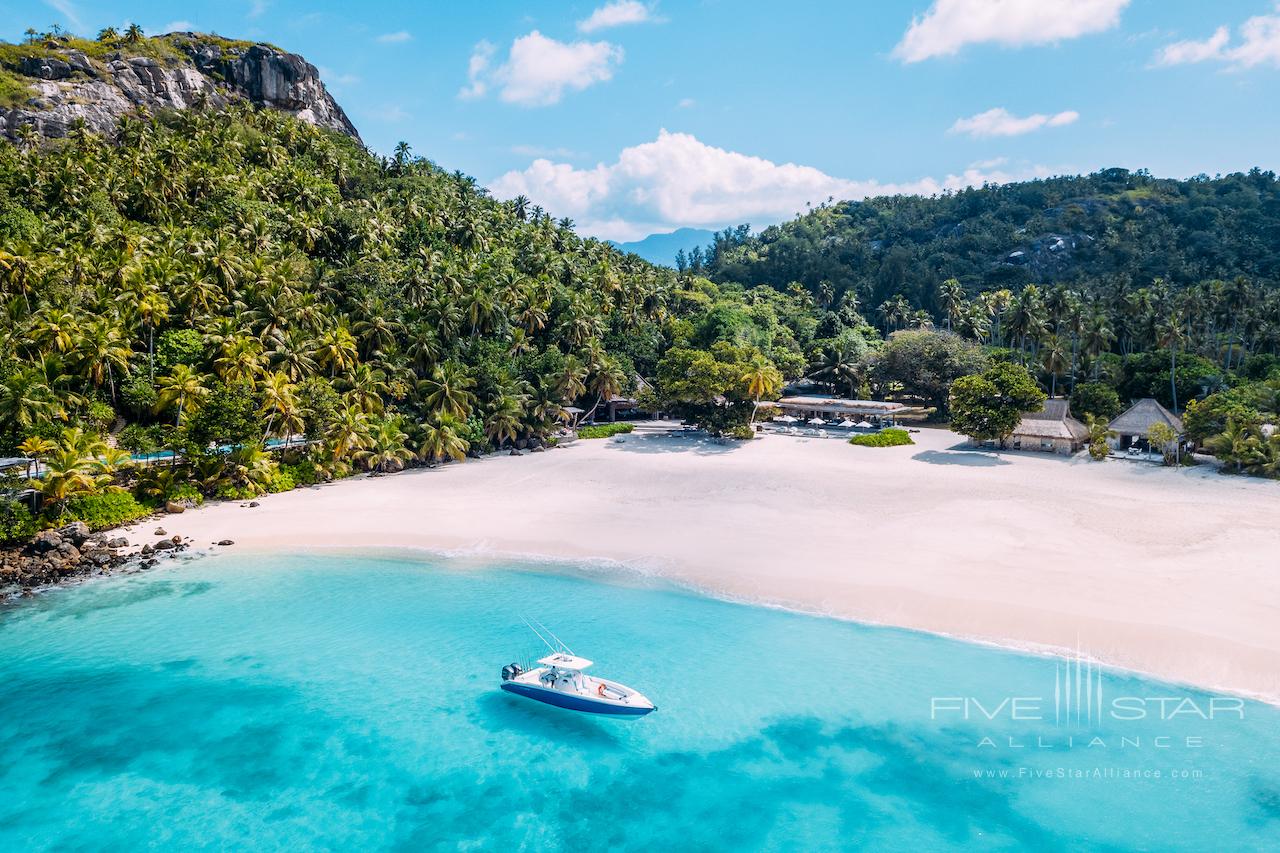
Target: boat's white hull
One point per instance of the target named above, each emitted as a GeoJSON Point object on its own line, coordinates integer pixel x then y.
{"type": "Point", "coordinates": [590, 695]}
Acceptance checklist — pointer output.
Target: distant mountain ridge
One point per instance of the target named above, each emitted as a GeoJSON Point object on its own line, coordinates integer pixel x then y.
{"type": "Point", "coordinates": [53, 81]}
{"type": "Point", "coordinates": [662, 248]}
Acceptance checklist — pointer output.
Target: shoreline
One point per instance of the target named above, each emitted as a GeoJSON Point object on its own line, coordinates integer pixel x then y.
{"type": "Point", "coordinates": [932, 537]}
{"type": "Point", "coordinates": [607, 570]}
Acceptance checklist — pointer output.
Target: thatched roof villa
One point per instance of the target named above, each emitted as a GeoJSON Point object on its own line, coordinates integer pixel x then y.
{"type": "Point", "coordinates": [1051, 430]}
{"type": "Point", "coordinates": [1134, 425]}
{"type": "Point", "coordinates": [879, 412]}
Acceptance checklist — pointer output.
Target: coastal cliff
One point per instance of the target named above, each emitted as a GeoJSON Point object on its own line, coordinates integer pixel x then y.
{"type": "Point", "coordinates": [67, 80]}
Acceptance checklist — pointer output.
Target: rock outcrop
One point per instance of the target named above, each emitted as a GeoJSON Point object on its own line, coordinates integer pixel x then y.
{"type": "Point", "coordinates": [69, 86]}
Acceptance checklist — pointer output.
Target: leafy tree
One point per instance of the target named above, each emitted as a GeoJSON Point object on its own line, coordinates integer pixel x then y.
{"type": "Point", "coordinates": [1096, 399]}
{"type": "Point", "coordinates": [926, 363]}
{"type": "Point", "coordinates": [989, 406]}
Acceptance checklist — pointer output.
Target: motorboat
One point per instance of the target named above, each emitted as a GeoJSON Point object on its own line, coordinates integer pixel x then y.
{"type": "Point", "coordinates": [560, 680]}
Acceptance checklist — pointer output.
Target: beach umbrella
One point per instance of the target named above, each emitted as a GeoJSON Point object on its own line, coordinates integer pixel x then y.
{"type": "Point", "coordinates": [816, 421]}
{"type": "Point", "coordinates": [846, 423]}
{"type": "Point", "coordinates": [863, 425]}
{"type": "Point", "coordinates": [786, 419]}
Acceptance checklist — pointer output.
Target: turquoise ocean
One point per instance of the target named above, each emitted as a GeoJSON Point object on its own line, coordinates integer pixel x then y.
{"type": "Point", "coordinates": [301, 702]}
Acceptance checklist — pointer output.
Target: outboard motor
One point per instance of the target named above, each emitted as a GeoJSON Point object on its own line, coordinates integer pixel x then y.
{"type": "Point", "coordinates": [511, 671]}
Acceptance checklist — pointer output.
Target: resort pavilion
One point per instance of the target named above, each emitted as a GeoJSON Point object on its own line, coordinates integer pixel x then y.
{"type": "Point", "coordinates": [1132, 428]}
{"type": "Point", "coordinates": [1051, 430]}
{"type": "Point", "coordinates": [876, 412]}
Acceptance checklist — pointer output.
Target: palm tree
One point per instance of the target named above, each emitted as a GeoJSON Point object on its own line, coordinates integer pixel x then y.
{"type": "Point", "coordinates": [762, 380]}
{"type": "Point", "coordinates": [337, 350]}
{"type": "Point", "coordinates": [441, 441]}
{"type": "Point", "coordinates": [347, 433]}
{"type": "Point", "coordinates": [448, 391]}
{"type": "Point", "coordinates": [26, 399]}
{"type": "Point", "coordinates": [838, 364]}
{"type": "Point", "coordinates": [606, 382]}
{"type": "Point", "coordinates": [133, 34]}
{"type": "Point", "coordinates": [280, 406]}
{"type": "Point", "coordinates": [184, 388]}
{"type": "Point", "coordinates": [35, 448]}
{"type": "Point", "coordinates": [1169, 334]}
{"type": "Point", "coordinates": [504, 420]}
{"type": "Point", "coordinates": [1098, 338]}
{"type": "Point", "coordinates": [1238, 444]}
{"type": "Point", "coordinates": [951, 298]}
{"type": "Point", "coordinates": [387, 449]}
{"type": "Point", "coordinates": [1053, 355]}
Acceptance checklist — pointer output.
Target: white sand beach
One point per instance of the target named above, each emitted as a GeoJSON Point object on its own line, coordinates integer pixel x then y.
{"type": "Point", "coordinates": [1172, 573]}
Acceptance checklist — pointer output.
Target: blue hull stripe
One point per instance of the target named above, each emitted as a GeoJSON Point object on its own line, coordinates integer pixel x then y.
{"type": "Point", "coordinates": [573, 703]}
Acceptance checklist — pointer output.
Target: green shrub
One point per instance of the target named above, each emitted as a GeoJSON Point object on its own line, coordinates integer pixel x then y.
{"type": "Point", "coordinates": [99, 418]}
{"type": "Point", "coordinates": [892, 437]}
{"type": "Point", "coordinates": [280, 481]}
{"type": "Point", "coordinates": [14, 92]}
{"type": "Point", "coordinates": [103, 511]}
{"type": "Point", "coordinates": [187, 492]}
{"type": "Point", "coordinates": [742, 432]}
{"type": "Point", "coordinates": [17, 524]}
{"type": "Point", "coordinates": [232, 492]}
{"type": "Point", "coordinates": [141, 439]}
{"type": "Point", "coordinates": [303, 473]}
{"type": "Point", "coordinates": [605, 430]}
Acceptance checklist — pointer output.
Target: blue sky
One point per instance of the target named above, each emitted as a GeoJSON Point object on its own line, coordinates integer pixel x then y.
{"type": "Point", "coordinates": [633, 117]}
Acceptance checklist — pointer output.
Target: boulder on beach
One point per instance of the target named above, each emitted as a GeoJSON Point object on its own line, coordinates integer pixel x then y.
{"type": "Point", "coordinates": [253, 504]}
{"type": "Point", "coordinates": [225, 542]}
{"type": "Point", "coordinates": [165, 545]}
{"type": "Point", "coordinates": [173, 507]}
{"type": "Point", "coordinates": [75, 532]}
{"type": "Point", "coordinates": [160, 531]}
{"type": "Point", "coordinates": [46, 541]}
{"type": "Point", "coordinates": [118, 542]}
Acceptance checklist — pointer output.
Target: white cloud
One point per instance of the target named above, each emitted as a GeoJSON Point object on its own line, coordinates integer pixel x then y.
{"type": "Point", "coordinates": [391, 113]}
{"type": "Point", "coordinates": [678, 181]}
{"type": "Point", "coordinates": [616, 14]}
{"type": "Point", "coordinates": [398, 37]}
{"type": "Point", "coordinates": [478, 70]}
{"type": "Point", "coordinates": [949, 25]}
{"type": "Point", "coordinates": [334, 80]}
{"type": "Point", "coordinates": [686, 103]}
{"type": "Point", "coordinates": [177, 27]}
{"type": "Point", "coordinates": [68, 10]}
{"type": "Point", "coordinates": [257, 8]}
{"type": "Point", "coordinates": [539, 70]}
{"type": "Point", "coordinates": [1001, 122]}
{"type": "Point", "coordinates": [1259, 44]}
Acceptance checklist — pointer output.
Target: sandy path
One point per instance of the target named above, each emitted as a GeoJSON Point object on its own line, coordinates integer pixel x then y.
{"type": "Point", "coordinates": [1174, 573]}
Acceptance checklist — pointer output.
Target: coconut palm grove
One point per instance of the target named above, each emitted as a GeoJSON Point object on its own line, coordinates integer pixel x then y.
{"type": "Point", "coordinates": [268, 304]}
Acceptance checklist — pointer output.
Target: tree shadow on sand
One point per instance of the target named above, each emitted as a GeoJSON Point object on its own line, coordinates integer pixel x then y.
{"type": "Point", "coordinates": [955, 456]}
{"type": "Point", "coordinates": [673, 443]}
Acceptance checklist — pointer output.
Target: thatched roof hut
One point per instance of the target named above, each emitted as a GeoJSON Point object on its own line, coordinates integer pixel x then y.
{"type": "Point", "coordinates": [1051, 429]}
{"type": "Point", "coordinates": [1141, 416]}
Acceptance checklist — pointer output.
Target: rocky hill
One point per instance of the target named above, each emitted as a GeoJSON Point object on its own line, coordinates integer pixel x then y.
{"type": "Point", "coordinates": [50, 82]}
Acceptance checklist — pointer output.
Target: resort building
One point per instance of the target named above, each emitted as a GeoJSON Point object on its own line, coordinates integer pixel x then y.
{"type": "Point", "coordinates": [1051, 430]}
{"type": "Point", "coordinates": [874, 412]}
{"type": "Point", "coordinates": [1132, 427]}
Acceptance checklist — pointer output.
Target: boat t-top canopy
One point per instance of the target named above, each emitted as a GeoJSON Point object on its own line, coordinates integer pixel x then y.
{"type": "Point", "coordinates": [563, 660]}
